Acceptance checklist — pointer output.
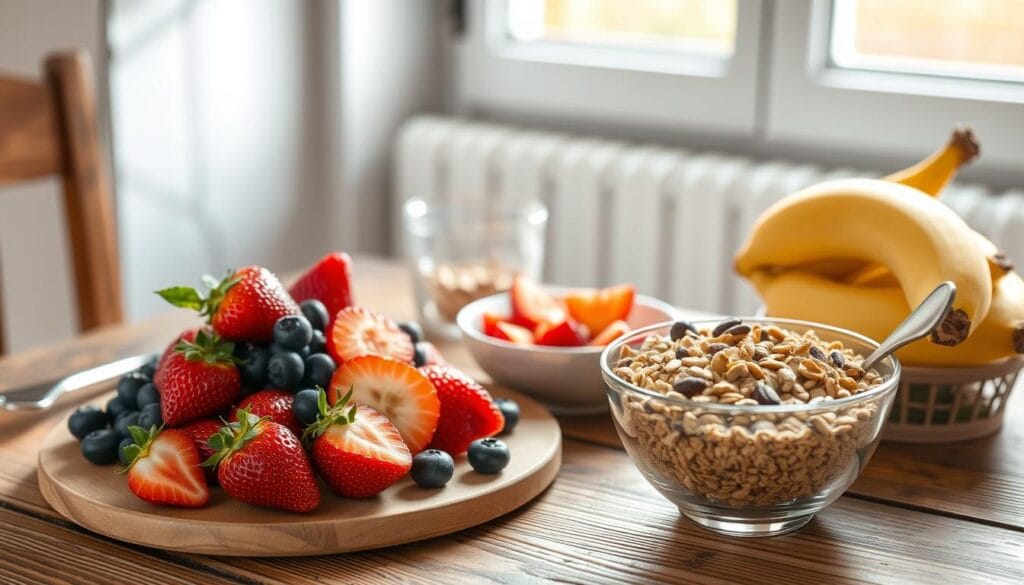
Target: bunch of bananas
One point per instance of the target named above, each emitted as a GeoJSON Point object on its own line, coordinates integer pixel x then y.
{"type": "Point", "coordinates": [859, 253]}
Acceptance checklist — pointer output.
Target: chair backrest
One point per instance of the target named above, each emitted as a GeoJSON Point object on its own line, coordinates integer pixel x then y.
{"type": "Point", "coordinates": [52, 128]}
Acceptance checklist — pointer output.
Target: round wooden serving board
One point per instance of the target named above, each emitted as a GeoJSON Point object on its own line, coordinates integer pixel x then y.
{"type": "Point", "coordinates": [98, 499]}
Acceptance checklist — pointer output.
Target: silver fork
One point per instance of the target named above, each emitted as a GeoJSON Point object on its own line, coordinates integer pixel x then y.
{"type": "Point", "coordinates": [44, 394]}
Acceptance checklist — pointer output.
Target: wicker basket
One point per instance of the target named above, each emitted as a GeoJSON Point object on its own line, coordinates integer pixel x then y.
{"type": "Point", "coordinates": [941, 405]}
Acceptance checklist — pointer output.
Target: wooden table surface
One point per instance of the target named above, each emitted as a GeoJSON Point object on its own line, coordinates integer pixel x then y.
{"type": "Point", "coordinates": [919, 514]}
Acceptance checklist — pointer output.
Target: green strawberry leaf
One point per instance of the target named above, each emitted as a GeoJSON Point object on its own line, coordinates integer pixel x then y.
{"type": "Point", "coordinates": [185, 297]}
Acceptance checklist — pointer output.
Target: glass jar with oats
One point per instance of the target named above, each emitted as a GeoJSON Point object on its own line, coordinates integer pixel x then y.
{"type": "Point", "coordinates": [463, 251]}
{"type": "Point", "coordinates": [749, 426]}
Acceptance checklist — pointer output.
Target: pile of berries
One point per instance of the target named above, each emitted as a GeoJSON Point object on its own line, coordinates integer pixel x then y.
{"type": "Point", "coordinates": [280, 386]}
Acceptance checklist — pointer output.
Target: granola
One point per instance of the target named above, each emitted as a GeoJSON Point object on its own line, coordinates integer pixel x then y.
{"type": "Point", "coordinates": [745, 457]}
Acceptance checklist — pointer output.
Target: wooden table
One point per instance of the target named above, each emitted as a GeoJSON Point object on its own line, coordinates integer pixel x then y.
{"type": "Point", "coordinates": [933, 514]}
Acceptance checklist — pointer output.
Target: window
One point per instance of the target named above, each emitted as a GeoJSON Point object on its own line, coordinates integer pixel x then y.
{"type": "Point", "coordinates": [857, 75]}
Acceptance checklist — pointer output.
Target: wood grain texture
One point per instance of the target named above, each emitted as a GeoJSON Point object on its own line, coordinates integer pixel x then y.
{"type": "Point", "coordinates": [97, 498]}
{"type": "Point", "coordinates": [35, 551]}
{"type": "Point", "coordinates": [29, 139]}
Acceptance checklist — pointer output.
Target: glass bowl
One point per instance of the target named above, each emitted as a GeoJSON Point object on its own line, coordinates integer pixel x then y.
{"type": "Point", "coordinates": [749, 470]}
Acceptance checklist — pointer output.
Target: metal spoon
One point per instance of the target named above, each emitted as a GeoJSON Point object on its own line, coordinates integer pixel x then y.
{"type": "Point", "coordinates": [919, 323]}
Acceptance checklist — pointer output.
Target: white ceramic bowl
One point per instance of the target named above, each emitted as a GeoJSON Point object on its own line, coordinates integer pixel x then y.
{"type": "Point", "coordinates": [566, 379]}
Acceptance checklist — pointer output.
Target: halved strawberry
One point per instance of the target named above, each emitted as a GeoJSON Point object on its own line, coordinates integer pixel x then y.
{"type": "Point", "coordinates": [467, 411]}
{"type": "Point", "coordinates": [273, 404]}
{"type": "Point", "coordinates": [199, 379]}
{"type": "Point", "coordinates": [243, 306]}
{"type": "Point", "coordinates": [490, 323]}
{"type": "Point", "coordinates": [513, 333]}
{"type": "Point", "coordinates": [531, 305]}
{"type": "Point", "coordinates": [201, 431]}
{"type": "Point", "coordinates": [356, 450]}
{"type": "Point", "coordinates": [358, 331]}
{"type": "Point", "coordinates": [164, 468]}
{"type": "Point", "coordinates": [329, 281]}
{"type": "Point", "coordinates": [396, 390]}
{"type": "Point", "coordinates": [610, 333]}
{"type": "Point", "coordinates": [598, 308]}
{"type": "Point", "coordinates": [564, 334]}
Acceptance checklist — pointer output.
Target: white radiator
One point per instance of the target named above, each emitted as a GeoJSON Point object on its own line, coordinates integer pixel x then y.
{"type": "Point", "coordinates": [666, 219]}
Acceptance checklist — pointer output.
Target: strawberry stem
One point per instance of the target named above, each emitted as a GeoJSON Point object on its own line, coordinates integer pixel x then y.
{"type": "Point", "coordinates": [234, 436]}
{"type": "Point", "coordinates": [339, 414]}
{"type": "Point", "coordinates": [141, 441]}
{"type": "Point", "coordinates": [208, 347]}
{"type": "Point", "coordinates": [187, 297]}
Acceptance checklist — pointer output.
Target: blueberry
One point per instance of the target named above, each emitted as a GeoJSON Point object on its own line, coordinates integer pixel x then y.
{"type": "Point", "coordinates": [510, 410]}
{"type": "Point", "coordinates": [85, 420]}
{"type": "Point", "coordinates": [319, 370]}
{"type": "Point", "coordinates": [241, 350]}
{"type": "Point", "coordinates": [149, 368]}
{"type": "Point", "coordinates": [488, 455]}
{"type": "Point", "coordinates": [293, 332]}
{"type": "Point", "coordinates": [254, 369]}
{"type": "Point", "coordinates": [304, 406]}
{"type": "Point", "coordinates": [151, 416]}
{"type": "Point", "coordinates": [120, 450]}
{"type": "Point", "coordinates": [413, 330]}
{"type": "Point", "coordinates": [114, 409]}
{"type": "Point", "coordinates": [128, 388]}
{"type": "Point", "coordinates": [432, 468]}
{"type": "Point", "coordinates": [100, 447]}
{"type": "Point", "coordinates": [316, 314]}
{"type": "Point", "coordinates": [285, 370]}
{"type": "Point", "coordinates": [125, 420]}
{"type": "Point", "coordinates": [319, 342]}
{"type": "Point", "coordinates": [278, 348]}
{"type": "Point", "coordinates": [148, 394]}
{"type": "Point", "coordinates": [419, 355]}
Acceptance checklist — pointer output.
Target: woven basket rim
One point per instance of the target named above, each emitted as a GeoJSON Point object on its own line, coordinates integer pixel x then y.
{"type": "Point", "coordinates": [960, 375]}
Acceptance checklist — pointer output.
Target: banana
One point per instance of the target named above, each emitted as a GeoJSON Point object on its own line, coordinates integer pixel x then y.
{"type": "Point", "coordinates": [933, 173]}
{"type": "Point", "coordinates": [875, 311]}
{"type": "Point", "coordinates": [879, 275]}
{"type": "Point", "coordinates": [922, 241]}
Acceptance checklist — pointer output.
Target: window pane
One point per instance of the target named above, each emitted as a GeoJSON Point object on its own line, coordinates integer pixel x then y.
{"type": "Point", "coordinates": [703, 26]}
{"type": "Point", "coordinates": [960, 38]}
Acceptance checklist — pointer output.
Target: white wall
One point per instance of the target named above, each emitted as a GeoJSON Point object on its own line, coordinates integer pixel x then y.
{"type": "Point", "coordinates": [35, 269]}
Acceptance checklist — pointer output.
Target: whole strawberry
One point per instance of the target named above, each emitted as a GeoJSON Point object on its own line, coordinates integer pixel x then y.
{"type": "Point", "coordinates": [199, 379]}
{"type": "Point", "coordinates": [467, 411]}
{"type": "Point", "coordinates": [262, 463]}
{"type": "Point", "coordinates": [200, 431]}
{"type": "Point", "coordinates": [242, 307]}
{"type": "Point", "coordinates": [274, 404]}
{"type": "Point", "coordinates": [356, 449]}
{"type": "Point", "coordinates": [329, 281]}
{"type": "Point", "coordinates": [158, 376]}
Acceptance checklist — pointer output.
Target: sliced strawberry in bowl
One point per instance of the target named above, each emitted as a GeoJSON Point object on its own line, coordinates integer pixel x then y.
{"type": "Point", "coordinates": [610, 333]}
{"type": "Point", "coordinates": [395, 389]}
{"type": "Point", "coordinates": [513, 333]}
{"type": "Point", "coordinates": [562, 334]}
{"type": "Point", "coordinates": [599, 308]}
{"type": "Point", "coordinates": [356, 450]}
{"type": "Point", "coordinates": [164, 468]}
{"type": "Point", "coordinates": [467, 411]}
{"type": "Point", "coordinates": [490, 323]}
{"type": "Point", "coordinates": [359, 331]}
{"type": "Point", "coordinates": [532, 306]}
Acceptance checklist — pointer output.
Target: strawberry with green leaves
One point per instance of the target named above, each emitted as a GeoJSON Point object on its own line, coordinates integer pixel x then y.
{"type": "Point", "coordinates": [356, 449]}
{"type": "Point", "coordinates": [163, 468]}
{"type": "Point", "coordinates": [243, 306]}
{"type": "Point", "coordinates": [198, 379]}
{"type": "Point", "coordinates": [262, 463]}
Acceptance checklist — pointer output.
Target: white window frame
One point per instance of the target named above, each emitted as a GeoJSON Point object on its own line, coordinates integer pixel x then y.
{"type": "Point", "coordinates": [633, 87]}
{"type": "Point", "coordinates": [813, 102]}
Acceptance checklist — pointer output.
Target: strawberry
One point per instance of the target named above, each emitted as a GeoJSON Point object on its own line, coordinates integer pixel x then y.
{"type": "Point", "coordinates": [200, 431]}
{"type": "Point", "coordinates": [329, 281]}
{"type": "Point", "coordinates": [273, 404]}
{"type": "Point", "coordinates": [610, 333]}
{"type": "Point", "coordinates": [356, 449]}
{"type": "Point", "coordinates": [531, 305]}
{"type": "Point", "coordinates": [597, 309]}
{"type": "Point", "coordinates": [199, 379]}
{"type": "Point", "coordinates": [396, 390]}
{"type": "Point", "coordinates": [158, 376]}
{"type": "Point", "coordinates": [467, 411]}
{"type": "Point", "coordinates": [242, 307]}
{"type": "Point", "coordinates": [164, 468]}
{"type": "Point", "coordinates": [513, 333]}
{"type": "Point", "coordinates": [358, 331]}
{"type": "Point", "coordinates": [564, 334]}
{"type": "Point", "coordinates": [262, 463]}
{"type": "Point", "coordinates": [490, 324]}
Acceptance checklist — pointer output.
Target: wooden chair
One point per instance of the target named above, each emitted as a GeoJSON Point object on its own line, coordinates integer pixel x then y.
{"type": "Point", "coordinates": [51, 128]}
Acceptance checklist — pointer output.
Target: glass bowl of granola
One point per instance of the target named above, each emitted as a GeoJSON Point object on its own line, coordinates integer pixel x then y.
{"type": "Point", "coordinates": [750, 426]}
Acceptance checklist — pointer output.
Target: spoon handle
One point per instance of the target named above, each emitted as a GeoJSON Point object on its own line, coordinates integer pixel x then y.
{"type": "Point", "coordinates": [921, 321]}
